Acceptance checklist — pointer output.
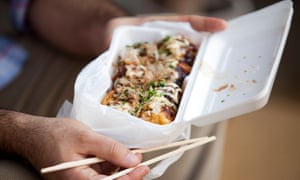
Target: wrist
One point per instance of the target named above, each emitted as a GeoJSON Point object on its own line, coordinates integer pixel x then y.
{"type": "Point", "coordinates": [12, 125]}
{"type": "Point", "coordinates": [17, 134]}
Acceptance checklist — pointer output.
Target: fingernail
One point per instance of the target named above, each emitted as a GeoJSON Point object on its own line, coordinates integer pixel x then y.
{"type": "Point", "coordinates": [131, 158]}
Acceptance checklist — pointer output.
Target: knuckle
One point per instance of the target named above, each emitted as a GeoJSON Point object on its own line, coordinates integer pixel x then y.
{"type": "Point", "coordinates": [113, 149]}
{"type": "Point", "coordinates": [84, 137]}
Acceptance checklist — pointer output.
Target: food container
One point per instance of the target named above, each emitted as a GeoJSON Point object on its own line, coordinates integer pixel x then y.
{"type": "Point", "coordinates": [233, 74]}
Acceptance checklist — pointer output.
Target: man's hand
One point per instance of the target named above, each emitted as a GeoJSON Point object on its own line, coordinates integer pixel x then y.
{"type": "Point", "coordinates": [48, 141]}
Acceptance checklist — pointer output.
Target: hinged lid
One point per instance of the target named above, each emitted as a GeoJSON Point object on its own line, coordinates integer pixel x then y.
{"type": "Point", "coordinates": [239, 65]}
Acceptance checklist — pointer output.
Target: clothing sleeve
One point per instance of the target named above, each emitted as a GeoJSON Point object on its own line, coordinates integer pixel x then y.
{"type": "Point", "coordinates": [13, 55]}
{"type": "Point", "coordinates": [12, 58]}
{"type": "Point", "coordinates": [18, 11]}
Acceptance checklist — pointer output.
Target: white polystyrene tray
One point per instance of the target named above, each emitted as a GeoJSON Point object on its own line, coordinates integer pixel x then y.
{"type": "Point", "coordinates": [245, 57]}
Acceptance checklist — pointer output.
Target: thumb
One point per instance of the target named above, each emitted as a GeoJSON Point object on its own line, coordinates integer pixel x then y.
{"type": "Point", "coordinates": [110, 150]}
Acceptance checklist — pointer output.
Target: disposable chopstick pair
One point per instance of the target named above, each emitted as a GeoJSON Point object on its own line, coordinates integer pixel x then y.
{"type": "Point", "coordinates": [186, 145]}
{"type": "Point", "coordinates": [162, 157]}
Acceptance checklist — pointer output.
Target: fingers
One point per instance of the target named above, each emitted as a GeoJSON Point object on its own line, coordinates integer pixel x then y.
{"type": "Point", "coordinates": [106, 168]}
{"type": "Point", "coordinates": [208, 24]}
{"type": "Point", "coordinates": [137, 174]}
{"type": "Point", "coordinates": [94, 172]}
{"type": "Point", "coordinates": [86, 172]}
{"type": "Point", "coordinates": [111, 150]}
{"type": "Point", "coordinates": [79, 173]}
{"type": "Point", "coordinates": [199, 23]}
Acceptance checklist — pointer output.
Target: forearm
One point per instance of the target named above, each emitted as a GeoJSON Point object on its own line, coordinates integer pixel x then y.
{"type": "Point", "coordinates": [75, 26]}
{"type": "Point", "coordinates": [17, 132]}
{"type": "Point", "coordinates": [10, 122]}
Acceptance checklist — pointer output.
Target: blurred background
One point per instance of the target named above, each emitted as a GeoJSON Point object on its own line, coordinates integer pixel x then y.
{"type": "Point", "coordinates": [262, 145]}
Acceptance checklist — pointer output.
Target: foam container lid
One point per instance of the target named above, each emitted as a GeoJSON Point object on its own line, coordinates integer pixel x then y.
{"type": "Point", "coordinates": [239, 65]}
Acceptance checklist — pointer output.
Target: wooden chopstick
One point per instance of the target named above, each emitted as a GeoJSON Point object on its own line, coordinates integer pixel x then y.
{"type": "Point", "coordinates": [162, 157]}
{"type": "Point", "coordinates": [94, 160]}
{"type": "Point", "coordinates": [171, 145]}
{"type": "Point", "coordinates": [71, 164]}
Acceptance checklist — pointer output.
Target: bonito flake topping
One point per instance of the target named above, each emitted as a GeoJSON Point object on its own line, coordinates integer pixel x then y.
{"type": "Point", "coordinates": [148, 78]}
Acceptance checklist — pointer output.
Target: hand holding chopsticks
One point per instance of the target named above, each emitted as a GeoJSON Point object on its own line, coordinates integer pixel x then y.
{"type": "Point", "coordinates": [186, 145]}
